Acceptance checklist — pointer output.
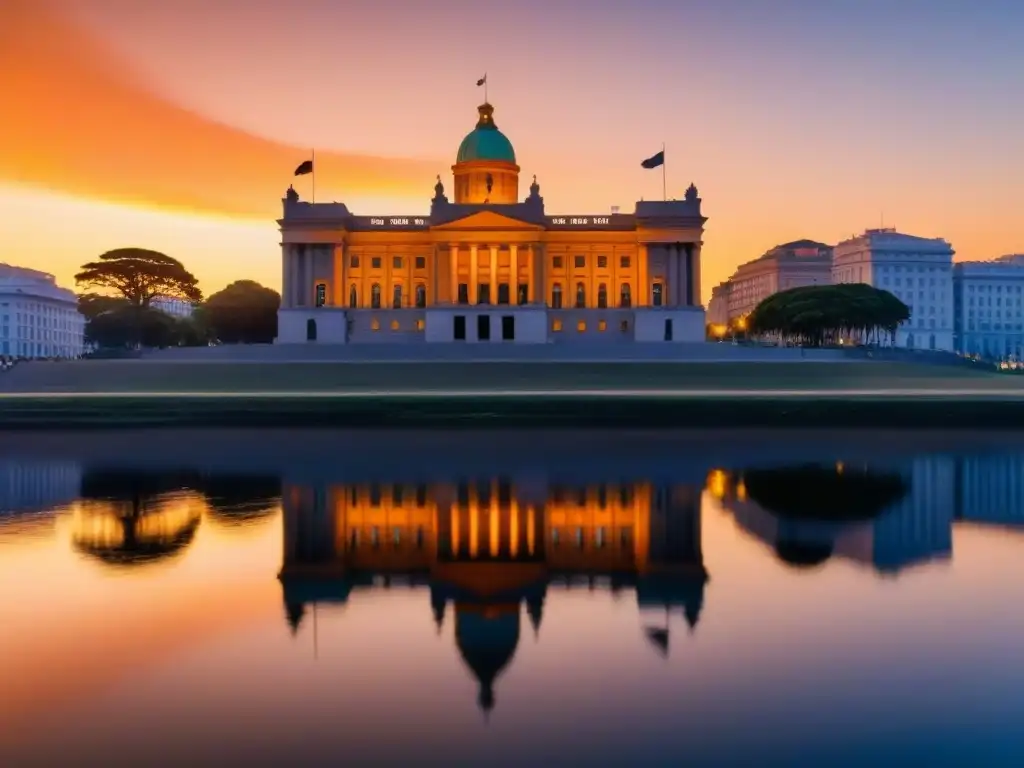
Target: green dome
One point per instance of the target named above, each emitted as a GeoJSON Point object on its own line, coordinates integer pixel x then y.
{"type": "Point", "coordinates": [486, 142]}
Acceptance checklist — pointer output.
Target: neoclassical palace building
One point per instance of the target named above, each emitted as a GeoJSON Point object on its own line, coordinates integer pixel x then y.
{"type": "Point", "coordinates": [489, 267]}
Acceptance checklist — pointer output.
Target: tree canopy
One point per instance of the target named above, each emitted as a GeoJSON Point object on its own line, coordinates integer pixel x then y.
{"type": "Point", "coordinates": [243, 313]}
{"type": "Point", "coordinates": [820, 314]}
{"type": "Point", "coordinates": [139, 275]}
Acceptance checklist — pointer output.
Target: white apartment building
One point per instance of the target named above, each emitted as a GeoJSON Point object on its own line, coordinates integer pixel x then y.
{"type": "Point", "coordinates": [791, 265]}
{"type": "Point", "coordinates": [173, 306]}
{"type": "Point", "coordinates": [38, 319]}
{"type": "Point", "coordinates": [988, 301]}
{"type": "Point", "coordinates": [917, 270]}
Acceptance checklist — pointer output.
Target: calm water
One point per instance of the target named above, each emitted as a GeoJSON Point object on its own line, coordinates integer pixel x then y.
{"type": "Point", "coordinates": [600, 599]}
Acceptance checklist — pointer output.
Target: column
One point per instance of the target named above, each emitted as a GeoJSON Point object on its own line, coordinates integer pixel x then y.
{"type": "Point", "coordinates": [286, 276]}
{"type": "Point", "coordinates": [670, 290]}
{"type": "Point", "coordinates": [474, 527]}
{"type": "Point", "coordinates": [474, 278]}
{"type": "Point", "coordinates": [513, 271]}
{"type": "Point", "coordinates": [432, 293]}
{"type": "Point", "coordinates": [695, 274]}
{"type": "Point", "coordinates": [643, 290]}
{"type": "Point", "coordinates": [540, 254]}
{"type": "Point", "coordinates": [338, 289]}
{"type": "Point", "coordinates": [453, 278]}
{"type": "Point", "coordinates": [531, 270]}
{"type": "Point", "coordinates": [684, 275]}
{"type": "Point", "coordinates": [494, 274]}
{"type": "Point", "coordinates": [513, 525]}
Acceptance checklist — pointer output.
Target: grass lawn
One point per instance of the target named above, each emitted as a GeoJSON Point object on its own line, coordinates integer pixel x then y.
{"type": "Point", "coordinates": [184, 377]}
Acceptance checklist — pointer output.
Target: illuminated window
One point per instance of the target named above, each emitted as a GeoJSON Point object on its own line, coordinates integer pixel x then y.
{"type": "Point", "coordinates": [602, 296]}
{"type": "Point", "coordinates": [375, 262]}
{"type": "Point", "coordinates": [375, 324]}
{"type": "Point", "coordinates": [420, 324]}
{"type": "Point", "coordinates": [602, 325]}
{"type": "Point", "coordinates": [602, 262]}
{"type": "Point", "coordinates": [624, 262]}
{"type": "Point", "coordinates": [581, 262]}
{"type": "Point", "coordinates": [522, 294]}
{"type": "Point", "coordinates": [556, 325]}
{"type": "Point", "coordinates": [353, 296]}
{"type": "Point", "coordinates": [421, 295]}
{"type": "Point", "coordinates": [396, 262]}
{"type": "Point", "coordinates": [556, 262]}
{"type": "Point", "coordinates": [394, 325]}
{"type": "Point", "coordinates": [396, 297]}
{"type": "Point", "coordinates": [375, 296]}
{"type": "Point", "coordinates": [321, 294]}
{"type": "Point", "coordinates": [353, 262]}
{"type": "Point", "coordinates": [581, 296]}
{"type": "Point", "coordinates": [421, 262]}
{"type": "Point", "coordinates": [625, 297]}
{"type": "Point", "coordinates": [556, 296]}
{"type": "Point", "coordinates": [581, 326]}
{"type": "Point", "coordinates": [657, 294]}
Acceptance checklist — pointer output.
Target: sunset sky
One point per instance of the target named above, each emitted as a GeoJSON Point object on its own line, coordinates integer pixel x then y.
{"type": "Point", "coordinates": [176, 126]}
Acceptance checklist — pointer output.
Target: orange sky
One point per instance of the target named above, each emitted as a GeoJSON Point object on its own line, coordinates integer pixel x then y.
{"type": "Point", "coordinates": [177, 127]}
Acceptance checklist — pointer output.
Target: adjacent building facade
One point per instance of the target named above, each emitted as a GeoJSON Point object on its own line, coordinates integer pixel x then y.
{"type": "Point", "coordinates": [790, 265]}
{"type": "Point", "coordinates": [173, 306]}
{"type": "Point", "coordinates": [988, 301]}
{"type": "Point", "coordinates": [38, 319]}
{"type": "Point", "coordinates": [489, 267]}
{"type": "Point", "coordinates": [917, 270]}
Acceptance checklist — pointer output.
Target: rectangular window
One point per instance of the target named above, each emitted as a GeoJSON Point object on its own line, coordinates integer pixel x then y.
{"type": "Point", "coordinates": [396, 262]}
{"type": "Point", "coordinates": [483, 294]}
{"type": "Point", "coordinates": [624, 262]}
{"type": "Point", "coordinates": [523, 294]}
{"type": "Point", "coordinates": [321, 294]}
{"type": "Point", "coordinates": [556, 262]}
{"type": "Point", "coordinates": [375, 262]}
{"type": "Point", "coordinates": [602, 262]}
{"type": "Point", "coordinates": [463, 293]}
{"type": "Point", "coordinates": [503, 293]}
{"type": "Point", "coordinates": [581, 262]}
{"type": "Point", "coordinates": [353, 262]}
{"type": "Point", "coordinates": [421, 262]}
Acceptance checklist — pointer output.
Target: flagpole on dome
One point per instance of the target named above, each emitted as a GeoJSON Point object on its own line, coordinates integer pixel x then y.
{"type": "Point", "coordinates": [483, 81]}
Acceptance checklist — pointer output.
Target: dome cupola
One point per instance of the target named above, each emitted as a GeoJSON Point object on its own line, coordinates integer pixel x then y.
{"type": "Point", "coordinates": [485, 168]}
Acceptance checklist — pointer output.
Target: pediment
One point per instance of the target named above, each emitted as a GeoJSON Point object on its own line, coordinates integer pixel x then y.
{"type": "Point", "coordinates": [487, 220]}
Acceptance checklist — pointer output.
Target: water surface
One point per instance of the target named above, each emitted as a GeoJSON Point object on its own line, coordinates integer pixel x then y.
{"type": "Point", "coordinates": [607, 599]}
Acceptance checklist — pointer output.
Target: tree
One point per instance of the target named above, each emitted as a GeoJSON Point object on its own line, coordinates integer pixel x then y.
{"type": "Point", "coordinates": [243, 313]}
{"type": "Point", "coordinates": [823, 314]}
{"type": "Point", "coordinates": [139, 275]}
{"type": "Point", "coordinates": [91, 305]}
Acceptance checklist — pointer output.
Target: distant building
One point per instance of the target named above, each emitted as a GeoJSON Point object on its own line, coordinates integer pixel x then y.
{"type": "Point", "coordinates": [38, 319]}
{"type": "Point", "coordinates": [718, 306]}
{"type": "Point", "coordinates": [791, 265]}
{"type": "Point", "coordinates": [988, 301]}
{"type": "Point", "coordinates": [173, 306]}
{"type": "Point", "coordinates": [917, 270]}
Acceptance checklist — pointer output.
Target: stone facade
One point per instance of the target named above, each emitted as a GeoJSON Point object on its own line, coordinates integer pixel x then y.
{"type": "Point", "coordinates": [484, 268]}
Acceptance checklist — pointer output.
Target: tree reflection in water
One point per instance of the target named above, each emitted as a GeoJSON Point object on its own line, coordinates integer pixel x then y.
{"type": "Point", "coordinates": [815, 492]}
{"type": "Point", "coordinates": [130, 518]}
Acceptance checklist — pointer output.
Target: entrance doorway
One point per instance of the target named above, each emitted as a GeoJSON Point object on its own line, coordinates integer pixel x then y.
{"type": "Point", "coordinates": [668, 329]}
{"type": "Point", "coordinates": [311, 330]}
{"type": "Point", "coordinates": [508, 328]}
{"type": "Point", "coordinates": [459, 329]}
{"type": "Point", "coordinates": [483, 327]}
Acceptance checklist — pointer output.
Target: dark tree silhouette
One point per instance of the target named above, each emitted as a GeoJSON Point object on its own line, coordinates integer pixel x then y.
{"type": "Point", "coordinates": [821, 314]}
{"type": "Point", "coordinates": [139, 275]}
{"type": "Point", "coordinates": [815, 492]}
{"type": "Point", "coordinates": [243, 313]}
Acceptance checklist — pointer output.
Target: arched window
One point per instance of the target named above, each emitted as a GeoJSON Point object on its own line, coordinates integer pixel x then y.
{"type": "Point", "coordinates": [375, 296]}
{"type": "Point", "coordinates": [353, 296]}
{"type": "Point", "coordinates": [556, 296]}
{"type": "Point", "coordinates": [602, 296]}
{"type": "Point", "coordinates": [581, 296]}
{"type": "Point", "coordinates": [625, 298]}
{"type": "Point", "coordinates": [421, 295]}
{"type": "Point", "coordinates": [657, 294]}
{"type": "Point", "coordinates": [396, 298]}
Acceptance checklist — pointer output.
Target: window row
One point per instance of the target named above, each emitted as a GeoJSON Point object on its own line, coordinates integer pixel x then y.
{"type": "Point", "coordinates": [397, 297]}
{"type": "Point", "coordinates": [580, 262]}
{"type": "Point", "coordinates": [397, 262]}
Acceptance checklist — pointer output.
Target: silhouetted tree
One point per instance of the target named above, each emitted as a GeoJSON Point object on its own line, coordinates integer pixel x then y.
{"type": "Point", "coordinates": [91, 305]}
{"type": "Point", "coordinates": [243, 313]}
{"type": "Point", "coordinates": [822, 314]}
{"type": "Point", "coordinates": [139, 275]}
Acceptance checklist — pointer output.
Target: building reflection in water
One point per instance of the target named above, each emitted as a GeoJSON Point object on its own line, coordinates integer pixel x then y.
{"type": "Point", "coordinates": [488, 550]}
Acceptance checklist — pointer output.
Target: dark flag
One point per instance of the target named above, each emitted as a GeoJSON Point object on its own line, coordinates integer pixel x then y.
{"type": "Point", "coordinates": [306, 167]}
{"type": "Point", "coordinates": [481, 81]}
{"type": "Point", "coordinates": [655, 161]}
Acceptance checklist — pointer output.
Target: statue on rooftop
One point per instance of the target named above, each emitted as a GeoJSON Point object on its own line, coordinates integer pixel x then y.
{"type": "Point", "coordinates": [291, 195]}
{"type": "Point", "coordinates": [691, 193]}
